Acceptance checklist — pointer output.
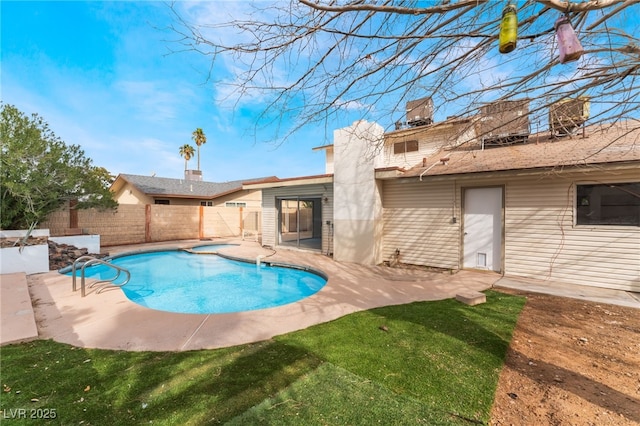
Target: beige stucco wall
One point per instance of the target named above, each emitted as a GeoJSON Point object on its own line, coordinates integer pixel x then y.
{"type": "Point", "coordinates": [358, 215]}
{"type": "Point", "coordinates": [329, 160]}
{"type": "Point", "coordinates": [252, 197]}
{"type": "Point", "coordinates": [541, 238]}
{"type": "Point", "coordinates": [129, 194]}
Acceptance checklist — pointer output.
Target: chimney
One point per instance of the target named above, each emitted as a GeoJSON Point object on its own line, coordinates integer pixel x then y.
{"type": "Point", "coordinates": [193, 175]}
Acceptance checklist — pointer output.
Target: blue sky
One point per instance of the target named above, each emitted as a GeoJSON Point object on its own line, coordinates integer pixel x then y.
{"type": "Point", "coordinates": [113, 78]}
{"type": "Point", "coordinates": [103, 76]}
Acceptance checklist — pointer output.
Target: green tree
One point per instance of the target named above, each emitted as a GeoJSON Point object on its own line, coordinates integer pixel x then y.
{"type": "Point", "coordinates": [187, 152]}
{"type": "Point", "coordinates": [200, 139]}
{"type": "Point", "coordinates": [40, 172]}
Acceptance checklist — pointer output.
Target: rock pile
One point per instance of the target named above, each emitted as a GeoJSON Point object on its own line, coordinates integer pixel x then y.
{"type": "Point", "coordinates": [62, 255]}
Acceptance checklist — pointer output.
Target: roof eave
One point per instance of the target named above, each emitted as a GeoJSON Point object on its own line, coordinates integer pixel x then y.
{"type": "Point", "coordinates": [557, 169]}
{"type": "Point", "coordinates": [389, 173]}
{"type": "Point", "coordinates": [304, 180]}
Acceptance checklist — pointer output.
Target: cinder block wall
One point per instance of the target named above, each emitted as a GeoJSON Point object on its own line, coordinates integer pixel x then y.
{"type": "Point", "coordinates": [124, 226]}
{"type": "Point", "coordinates": [135, 224]}
{"type": "Point", "coordinates": [173, 222]}
{"type": "Point", "coordinates": [58, 222]}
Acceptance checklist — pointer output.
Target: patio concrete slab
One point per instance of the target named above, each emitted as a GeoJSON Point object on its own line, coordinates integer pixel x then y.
{"type": "Point", "coordinates": [17, 321]}
{"type": "Point", "coordinates": [576, 291]}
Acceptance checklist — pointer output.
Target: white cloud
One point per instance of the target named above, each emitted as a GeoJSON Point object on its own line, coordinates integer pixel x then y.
{"type": "Point", "coordinates": [153, 100]}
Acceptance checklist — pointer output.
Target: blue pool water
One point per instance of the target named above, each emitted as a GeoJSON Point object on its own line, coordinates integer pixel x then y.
{"type": "Point", "coordinates": [177, 281]}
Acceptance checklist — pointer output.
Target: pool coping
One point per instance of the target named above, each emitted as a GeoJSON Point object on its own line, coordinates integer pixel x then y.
{"type": "Point", "coordinates": [109, 320]}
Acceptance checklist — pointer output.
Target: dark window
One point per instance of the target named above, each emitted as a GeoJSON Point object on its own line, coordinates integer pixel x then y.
{"type": "Point", "coordinates": [402, 147]}
{"type": "Point", "coordinates": [206, 203]}
{"type": "Point", "coordinates": [166, 202]}
{"type": "Point", "coordinates": [608, 204]}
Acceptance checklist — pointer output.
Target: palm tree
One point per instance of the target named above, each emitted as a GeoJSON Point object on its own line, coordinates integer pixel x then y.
{"type": "Point", "coordinates": [187, 152]}
{"type": "Point", "coordinates": [200, 139]}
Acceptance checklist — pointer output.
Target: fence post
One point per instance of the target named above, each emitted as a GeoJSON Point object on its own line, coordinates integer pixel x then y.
{"type": "Point", "coordinates": [201, 224]}
{"type": "Point", "coordinates": [73, 214]}
{"type": "Point", "coordinates": [147, 223]}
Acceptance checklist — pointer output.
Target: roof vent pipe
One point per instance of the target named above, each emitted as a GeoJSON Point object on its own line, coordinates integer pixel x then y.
{"type": "Point", "coordinates": [428, 168]}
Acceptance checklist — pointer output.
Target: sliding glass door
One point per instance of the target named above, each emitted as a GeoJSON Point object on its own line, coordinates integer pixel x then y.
{"type": "Point", "coordinates": [300, 222]}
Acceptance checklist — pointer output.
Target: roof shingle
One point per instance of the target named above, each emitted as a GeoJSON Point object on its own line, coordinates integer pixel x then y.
{"type": "Point", "coordinates": [155, 186]}
{"type": "Point", "coordinates": [602, 144]}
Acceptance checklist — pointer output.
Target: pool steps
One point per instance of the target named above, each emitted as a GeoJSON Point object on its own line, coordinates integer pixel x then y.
{"type": "Point", "coordinates": [102, 284]}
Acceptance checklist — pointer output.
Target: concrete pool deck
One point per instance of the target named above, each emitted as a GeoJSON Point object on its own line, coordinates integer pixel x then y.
{"type": "Point", "coordinates": [111, 321]}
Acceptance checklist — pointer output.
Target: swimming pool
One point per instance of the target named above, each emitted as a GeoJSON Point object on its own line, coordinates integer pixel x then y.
{"type": "Point", "coordinates": [178, 281]}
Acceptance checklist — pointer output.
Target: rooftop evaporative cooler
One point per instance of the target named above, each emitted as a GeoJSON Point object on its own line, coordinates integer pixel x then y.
{"type": "Point", "coordinates": [504, 122]}
{"type": "Point", "coordinates": [567, 115]}
{"type": "Point", "coordinates": [420, 112]}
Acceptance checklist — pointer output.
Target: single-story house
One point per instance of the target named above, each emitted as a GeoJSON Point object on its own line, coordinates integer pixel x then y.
{"type": "Point", "coordinates": [545, 206]}
{"type": "Point", "coordinates": [137, 189]}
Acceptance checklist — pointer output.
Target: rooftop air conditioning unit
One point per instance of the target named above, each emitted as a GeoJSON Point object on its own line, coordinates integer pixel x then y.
{"type": "Point", "coordinates": [504, 122]}
{"type": "Point", "coordinates": [420, 112]}
{"type": "Point", "coordinates": [566, 115]}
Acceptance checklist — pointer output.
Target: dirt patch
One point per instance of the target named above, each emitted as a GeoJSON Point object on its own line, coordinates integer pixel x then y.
{"type": "Point", "coordinates": [571, 362]}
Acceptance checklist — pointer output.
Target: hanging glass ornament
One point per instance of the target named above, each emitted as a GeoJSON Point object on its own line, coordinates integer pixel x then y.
{"type": "Point", "coordinates": [508, 29]}
{"type": "Point", "coordinates": [568, 43]}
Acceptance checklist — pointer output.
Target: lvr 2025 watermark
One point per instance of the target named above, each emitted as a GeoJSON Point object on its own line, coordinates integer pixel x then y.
{"type": "Point", "coordinates": [29, 413]}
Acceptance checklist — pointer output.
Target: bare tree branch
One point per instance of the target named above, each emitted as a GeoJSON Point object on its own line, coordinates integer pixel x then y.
{"type": "Point", "coordinates": [443, 8]}
{"type": "Point", "coordinates": [573, 6]}
{"type": "Point", "coordinates": [332, 62]}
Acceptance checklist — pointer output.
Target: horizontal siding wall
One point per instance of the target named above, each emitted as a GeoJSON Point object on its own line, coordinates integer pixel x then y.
{"type": "Point", "coordinates": [269, 218]}
{"type": "Point", "coordinates": [542, 241]}
{"type": "Point", "coordinates": [430, 140]}
{"type": "Point", "coordinates": [417, 220]}
{"type": "Point", "coordinates": [270, 212]}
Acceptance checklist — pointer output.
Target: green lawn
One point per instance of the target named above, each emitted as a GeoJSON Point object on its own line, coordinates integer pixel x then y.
{"type": "Point", "coordinates": [435, 363]}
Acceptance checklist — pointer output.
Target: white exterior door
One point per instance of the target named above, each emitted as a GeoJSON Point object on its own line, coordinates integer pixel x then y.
{"type": "Point", "coordinates": [482, 242]}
